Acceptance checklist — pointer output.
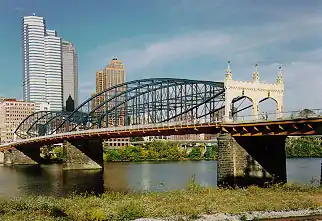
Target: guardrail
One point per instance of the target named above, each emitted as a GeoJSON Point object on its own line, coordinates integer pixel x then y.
{"type": "Point", "coordinates": [288, 115]}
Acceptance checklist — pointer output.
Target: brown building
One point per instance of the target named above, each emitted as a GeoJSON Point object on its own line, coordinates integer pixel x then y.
{"type": "Point", "coordinates": [12, 113]}
{"type": "Point", "coordinates": [113, 74]}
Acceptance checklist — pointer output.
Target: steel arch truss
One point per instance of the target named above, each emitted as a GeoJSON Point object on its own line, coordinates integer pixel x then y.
{"type": "Point", "coordinates": [144, 101]}
{"type": "Point", "coordinates": [40, 123]}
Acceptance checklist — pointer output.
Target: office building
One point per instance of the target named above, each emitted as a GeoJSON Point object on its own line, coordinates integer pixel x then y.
{"type": "Point", "coordinates": [70, 72]}
{"type": "Point", "coordinates": [12, 113]}
{"type": "Point", "coordinates": [42, 64]}
{"type": "Point", "coordinates": [113, 74]}
{"type": "Point", "coordinates": [53, 61]}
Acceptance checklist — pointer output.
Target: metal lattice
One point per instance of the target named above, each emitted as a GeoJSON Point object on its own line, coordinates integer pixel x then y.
{"type": "Point", "coordinates": [137, 102]}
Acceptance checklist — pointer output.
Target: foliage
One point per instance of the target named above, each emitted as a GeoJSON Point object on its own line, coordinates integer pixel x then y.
{"type": "Point", "coordinates": [136, 139]}
{"type": "Point", "coordinates": [195, 153]}
{"type": "Point", "coordinates": [157, 150]}
{"type": "Point", "coordinates": [190, 202]}
{"type": "Point", "coordinates": [52, 154]}
{"type": "Point", "coordinates": [59, 152]}
{"type": "Point", "coordinates": [308, 146]}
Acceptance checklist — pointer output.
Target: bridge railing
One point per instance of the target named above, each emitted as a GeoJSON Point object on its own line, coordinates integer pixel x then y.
{"type": "Point", "coordinates": [287, 115]}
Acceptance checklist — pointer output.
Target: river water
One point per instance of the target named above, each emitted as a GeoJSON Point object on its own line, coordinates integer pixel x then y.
{"type": "Point", "coordinates": [146, 176]}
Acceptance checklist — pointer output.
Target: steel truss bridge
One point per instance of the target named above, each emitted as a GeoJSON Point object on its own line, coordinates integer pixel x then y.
{"type": "Point", "coordinates": [139, 102]}
{"type": "Point", "coordinates": [160, 104]}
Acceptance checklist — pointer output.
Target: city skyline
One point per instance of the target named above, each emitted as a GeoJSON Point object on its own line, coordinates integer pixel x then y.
{"type": "Point", "coordinates": [186, 35]}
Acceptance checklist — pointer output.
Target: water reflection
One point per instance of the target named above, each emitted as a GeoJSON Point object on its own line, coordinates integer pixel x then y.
{"type": "Point", "coordinates": [147, 176]}
{"type": "Point", "coordinates": [78, 181]}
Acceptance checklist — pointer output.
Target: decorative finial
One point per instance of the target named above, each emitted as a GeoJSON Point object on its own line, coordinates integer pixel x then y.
{"type": "Point", "coordinates": [279, 79]}
{"type": "Point", "coordinates": [256, 74]}
{"type": "Point", "coordinates": [228, 72]}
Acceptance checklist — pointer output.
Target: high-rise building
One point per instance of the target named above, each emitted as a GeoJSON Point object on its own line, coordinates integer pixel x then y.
{"type": "Point", "coordinates": [113, 74]}
{"type": "Point", "coordinates": [70, 72]}
{"type": "Point", "coordinates": [12, 113]}
{"type": "Point", "coordinates": [53, 61]}
{"type": "Point", "coordinates": [42, 63]}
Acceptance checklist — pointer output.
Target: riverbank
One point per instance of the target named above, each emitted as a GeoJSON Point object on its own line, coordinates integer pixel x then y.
{"type": "Point", "coordinates": [299, 147]}
{"type": "Point", "coordinates": [189, 203]}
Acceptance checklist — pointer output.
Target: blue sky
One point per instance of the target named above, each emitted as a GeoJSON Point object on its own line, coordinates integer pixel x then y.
{"type": "Point", "coordinates": [179, 38]}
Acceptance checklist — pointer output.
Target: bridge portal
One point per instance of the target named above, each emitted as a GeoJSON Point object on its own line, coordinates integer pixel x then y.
{"type": "Point", "coordinates": [254, 90]}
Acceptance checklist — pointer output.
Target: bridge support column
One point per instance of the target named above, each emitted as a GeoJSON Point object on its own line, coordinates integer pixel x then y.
{"type": "Point", "coordinates": [83, 154]}
{"type": "Point", "coordinates": [21, 156]}
{"type": "Point", "coordinates": [245, 160]}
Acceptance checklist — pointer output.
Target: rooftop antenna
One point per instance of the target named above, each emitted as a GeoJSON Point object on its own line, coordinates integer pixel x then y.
{"type": "Point", "coordinates": [34, 14]}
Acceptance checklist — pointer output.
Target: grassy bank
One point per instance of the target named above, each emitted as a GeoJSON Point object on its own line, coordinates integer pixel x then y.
{"type": "Point", "coordinates": [189, 202]}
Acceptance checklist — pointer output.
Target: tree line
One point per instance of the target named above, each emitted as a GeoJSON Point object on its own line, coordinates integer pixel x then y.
{"type": "Point", "coordinates": [159, 150]}
{"type": "Point", "coordinates": [295, 147]}
{"type": "Point", "coordinates": [301, 147]}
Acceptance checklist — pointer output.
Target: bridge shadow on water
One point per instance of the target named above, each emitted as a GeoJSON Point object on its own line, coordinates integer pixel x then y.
{"type": "Point", "coordinates": [49, 180]}
{"type": "Point", "coordinates": [82, 181]}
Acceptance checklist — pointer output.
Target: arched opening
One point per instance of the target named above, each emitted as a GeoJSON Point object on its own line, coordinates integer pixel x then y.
{"type": "Point", "coordinates": [242, 108]}
{"type": "Point", "coordinates": [267, 109]}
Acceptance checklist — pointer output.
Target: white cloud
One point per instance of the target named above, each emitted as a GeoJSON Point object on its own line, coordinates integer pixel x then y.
{"type": "Point", "coordinates": [243, 46]}
{"type": "Point", "coordinates": [172, 50]}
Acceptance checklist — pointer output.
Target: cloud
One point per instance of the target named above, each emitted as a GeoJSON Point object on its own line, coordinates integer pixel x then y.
{"type": "Point", "coordinates": [269, 45]}
{"type": "Point", "coordinates": [178, 48]}
{"type": "Point", "coordinates": [19, 9]}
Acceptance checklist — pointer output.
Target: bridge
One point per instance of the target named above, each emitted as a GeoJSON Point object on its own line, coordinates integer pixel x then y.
{"type": "Point", "coordinates": [251, 149]}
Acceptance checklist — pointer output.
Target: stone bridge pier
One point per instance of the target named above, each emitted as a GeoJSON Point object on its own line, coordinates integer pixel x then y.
{"type": "Point", "coordinates": [250, 160]}
{"type": "Point", "coordinates": [78, 154]}
{"type": "Point", "coordinates": [83, 154]}
{"type": "Point", "coordinates": [21, 156]}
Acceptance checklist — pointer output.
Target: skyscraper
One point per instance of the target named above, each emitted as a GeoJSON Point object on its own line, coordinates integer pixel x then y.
{"type": "Point", "coordinates": [70, 72]}
{"type": "Point", "coordinates": [53, 63]}
{"type": "Point", "coordinates": [113, 74]}
{"type": "Point", "coordinates": [42, 64]}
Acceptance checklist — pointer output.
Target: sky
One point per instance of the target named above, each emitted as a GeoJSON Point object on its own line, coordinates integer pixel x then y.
{"type": "Point", "coordinates": [190, 39]}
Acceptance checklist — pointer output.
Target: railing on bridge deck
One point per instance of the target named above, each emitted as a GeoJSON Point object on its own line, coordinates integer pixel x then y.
{"type": "Point", "coordinates": [288, 115]}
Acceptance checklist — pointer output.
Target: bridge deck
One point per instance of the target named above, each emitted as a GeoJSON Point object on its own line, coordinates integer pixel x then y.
{"type": "Point", "coordinates": [286, 127]}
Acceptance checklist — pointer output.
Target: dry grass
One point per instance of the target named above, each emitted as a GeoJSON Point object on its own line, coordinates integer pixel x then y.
{"type": "Point", "coordinates": [190, 202]}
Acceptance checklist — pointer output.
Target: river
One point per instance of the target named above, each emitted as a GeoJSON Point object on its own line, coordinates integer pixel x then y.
{"type": "Point", "coordinates": [146, 176]}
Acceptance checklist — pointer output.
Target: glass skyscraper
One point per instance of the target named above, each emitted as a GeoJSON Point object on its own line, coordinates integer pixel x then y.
{"type": "Point", "coordinates": [42, 64]}
{"type": "Point", "coordinates": [70, 72]}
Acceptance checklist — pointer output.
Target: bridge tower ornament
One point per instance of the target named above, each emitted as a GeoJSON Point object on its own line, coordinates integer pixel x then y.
{"type": "Point", "coordinates": [256, 74]}
{"type": "Point", "coordinates": [279, 79]}
{"type": "Point", "coordinates": [228, 72]}
{"type": "Point", "coordinates": [255, 91]}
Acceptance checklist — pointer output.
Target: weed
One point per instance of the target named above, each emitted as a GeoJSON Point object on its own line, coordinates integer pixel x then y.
{"type": "Point", "coordinates": [130, 211]}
